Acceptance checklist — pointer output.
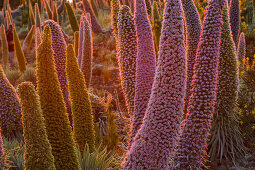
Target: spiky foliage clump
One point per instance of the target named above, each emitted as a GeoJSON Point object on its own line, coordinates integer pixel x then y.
{"type": "Point", "coordinates": [83, 125]}
{"type": "Point", "coordinates": [71, 17]}
{"type": "Point", "coordinates": [53, 107]}
{"type": "Point", "coordinates": [191, 151]}
{"type": "Point", "coordinates": [99, 159]}
{"type": "Point", "coordinates": [235, 19]}
{"type": "Point", "coordinates": [241, 50]}
{"type": "Point", "coordinates": [112, 137]}
{"type": "Point", "coordinates": [59, 48]}
{"type": "Point", "coordinates": [193, 28]}
{"type": "Point", "coordinates": [86, 51]}
{"type": "Point", "coordinates": [28, 40]}
{"type": "Point", "coordinates": [4, 45]}
{"type": "Point", "coordinates": [96, 28]}
{"type": "Point", "coordinates": [156, 25]}
{"type": "Point", "coordinates": [127, 54]}
{"type": "Point", "coordinates": [76, 42]}
{"type": "Point", "coordinates": [155, 140]}
{"type": "Point", "coordinates": [10, 116]}
{"type": "Point", "coordinates": [115, 6]}
{"type": "Point", "coordinates": [37, 146]}
{"type": "Point", "coordinates": [145, 66]}
{"type": "Point", "coordinates": [225, 132]}
{"type": "Point", "coordinates": [19, 52]}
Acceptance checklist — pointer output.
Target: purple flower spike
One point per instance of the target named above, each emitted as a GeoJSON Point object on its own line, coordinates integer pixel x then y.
{"type": "Point", "coordinates": [85, 51]}
{"type": "Point", "coordinates": [235, 19]}
{"type": "Point", "coordinates": [145, 66]}
{"type": "Point", "coordinates": [156, 138]}
{"type": "Point", "coordinates": [193, 140]}
{"type": "Point", "coordinates": [10, 114]}
{"type": "Point", "coordinates": [241, 50]}
{"type": "Point", "coordinates": [59, 48]}
{"type": "Point", "coordinates": [193, 25]}
{"type": "Point", "coordinates": [127, 54]}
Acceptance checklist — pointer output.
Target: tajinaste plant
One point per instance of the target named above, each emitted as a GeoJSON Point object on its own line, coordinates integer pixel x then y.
{"type": "Point", "coordinates": [127, 54]}
{"type": "Point", "coordinates": [241, 50]}
{"type": "Point", "coordinates": [193, 28]}
{"type": "Point", "coordinates": [59, 48]}
{"type": "Point", "coordinates": [87, 51]}
{"type": "Point", "coordinates": [81, 38]}
{"type": "Point", "coordinates": [235, 19]}
{"type": "Point", "coordinates": [96, 28]}
{"type": "Point", "coordinates": [156, 138]}
{"type": "Point", "coordinates": [58, 127]}
{"type": "Point", "coordinates": [226, 138]}
{"type": "Point", "coordinates": [191, 151]}
{"type": "Point", "coordinates": [38, 153]}
{"type": "Point", "coordinates": [83, 125]}
{"type": "Point", "coordinates": [10, 115]}
{"type": "Point", "coordinates": [115, 6]}
{"type": "Point", "coordinates": [145, 66]}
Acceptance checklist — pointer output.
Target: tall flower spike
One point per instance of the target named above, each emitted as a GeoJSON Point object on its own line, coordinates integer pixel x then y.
{"type": "Point", "coordinates": [57, 125]}
{"type": "Point", "coordinates": [87, 51]}
{"type": "Point", "coordinates": [225, 128]}
{"type": "Point", "coordinates": [241, 50]}
{"type": "Point", "coordinates": [145, 66]}
{"type": "Point", "coordinates": [96, 28]}
{"type": "Point", "coordinates": [81, 38]}
{"type": "Point", "coordinates": [193, 140]}
{"type": "Point", "coordinates": [28, 40]}
{"type": "Point", "coordinates": [83, 125]}
{"type": "Point", "coordinates": [10, 115]}
{"type": "Point", "coordinates": [38, 153]}
{"type": "Point", "coordinates": [127, 51]}
{"type": "Point", "coordinates": [156, 138]}
{"type": "Point", "coordinates": [193, 25]}
{"type": "Point", "coordinates": [59, 48]}
{"type": "Point", "coordinates": [4, 47]}
{"type": "Point", "coordinates": [115, 6]}
{"type": "Point", "coordinates": [235, 20]}
{"type": "Point", "coordinates": [19, 52]}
